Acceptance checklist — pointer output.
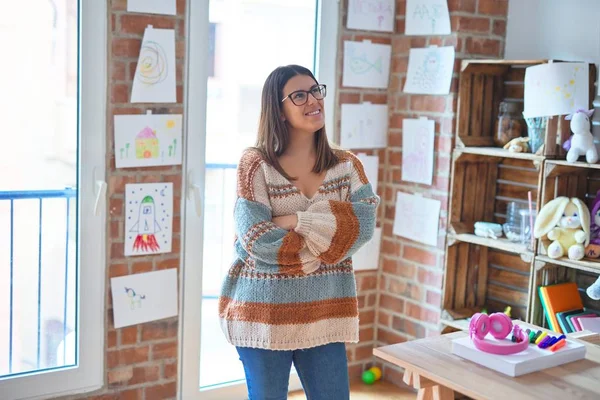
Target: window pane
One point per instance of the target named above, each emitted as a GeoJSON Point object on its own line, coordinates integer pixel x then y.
{"type": "Point", "coordinates": [38, 197]}
{"type": "Point", "coordinates": [249, 38]}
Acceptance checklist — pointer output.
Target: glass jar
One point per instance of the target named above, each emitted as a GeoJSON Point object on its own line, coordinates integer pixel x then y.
{"type": "Point", "coordinates": [509, 124]}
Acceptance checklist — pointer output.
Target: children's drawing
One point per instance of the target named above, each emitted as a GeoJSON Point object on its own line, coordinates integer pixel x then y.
{"type": "Point", "coordinates": [364, 126]}
{"type": "Point", "coordinates": [366, 64]}
{"type": "Point", "coordinates": [417, 150]}
{"type": "Point", "coordinates": [154, 80]}
{"type": "Point", "coordinates": [556, 88]}
{"type": "Point", "coordinates": [144, 297]}
{"type": "Point", "coordinates": [148, 218]}
{"type": "Point", "coordinates": [430, 70]}
{"type": "Point", "coordinates": [147, 140]}
{"type": "Point", "coordinates": [153, 67]}
{"type": "Point", "coordinates": [417, 218]}
{"type": "Point", "coordinates": [371, 15]}
{"type": "Point", "coordinates": [427, 17]}
{"type": "Point", "coordinates": [134, 298]}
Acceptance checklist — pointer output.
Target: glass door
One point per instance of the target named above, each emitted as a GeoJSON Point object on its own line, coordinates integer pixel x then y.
{"type": "Point", "coordinates": [246, 39]}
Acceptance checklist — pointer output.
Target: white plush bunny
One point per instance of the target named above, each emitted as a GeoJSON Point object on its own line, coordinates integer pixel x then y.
{"type": "Point", "coordinates": [567, 224]}
{"type": "Point", "coordinates": [582, 141]}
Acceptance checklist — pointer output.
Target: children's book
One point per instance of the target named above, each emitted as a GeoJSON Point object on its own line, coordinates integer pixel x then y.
{"type": "Point", "coordinates": [562, 319]}
{"type": "Point", "coordinates": [558, 298]}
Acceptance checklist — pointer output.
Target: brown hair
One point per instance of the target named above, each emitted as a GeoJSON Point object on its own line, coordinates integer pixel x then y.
{"type": "Point", "coordinates": [273, 134]}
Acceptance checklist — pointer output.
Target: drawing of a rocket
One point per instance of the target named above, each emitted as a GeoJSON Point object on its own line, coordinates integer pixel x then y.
{"type": "Point", "coordinates": [146, 227]}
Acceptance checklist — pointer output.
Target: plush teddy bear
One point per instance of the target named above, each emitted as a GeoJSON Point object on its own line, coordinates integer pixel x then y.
{"type": "Point", "coordinates": [582, 141]}
{"type": "Point", "coordinates": [517, 145]}
{"type": "Point", "coordinates": [566, 222]}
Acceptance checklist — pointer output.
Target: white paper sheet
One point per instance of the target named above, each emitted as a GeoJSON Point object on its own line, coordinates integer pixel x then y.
{"type": "Point", "coordinates": [417, 218]}
{"type": "Point", "coordinates": [167, 7]}
{"type": "Point", "coordinates": [364, 126]}
{"type": "Point", "coordinates": [418, 150]}
{"type": "Point", "coordinates": [148, 140]}
{"type": "Point", "coordinates": [590, 324]}
{"type": "Point", "coordinates": [372, 15]}
{"type": "Point", "coordinates": [148, 218]}
{"type": "Point", "coordinates": [144, 297]}
{"type": "Point", "coordinates": [430, 70]}
{"type": "Point", "coordinates": [154, 80]}
{"type": "Point", "coordinates": [556, 88]}
{"type": "Point", "coordinates": [366, 64]}
{"type": "Point", "coordinates": [367, 257]}
{"type": "Point", "coordinates": [371, 166]}
{"type": "Point", "coordinates": [427, 17]}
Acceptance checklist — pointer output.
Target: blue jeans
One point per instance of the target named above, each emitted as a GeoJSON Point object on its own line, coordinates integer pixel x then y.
{"type": "Point", "coordinates": [323, 372]}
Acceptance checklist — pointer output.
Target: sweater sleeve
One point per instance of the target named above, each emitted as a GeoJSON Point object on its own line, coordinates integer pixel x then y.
{"type": "Point", "coordinates": [335, 230]}
{"type": "Point", "coordinates": [271, 248]}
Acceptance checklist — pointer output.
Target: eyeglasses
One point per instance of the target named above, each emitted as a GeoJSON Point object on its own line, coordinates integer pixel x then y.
{"type": "Point", "coordinates": [300, 97]}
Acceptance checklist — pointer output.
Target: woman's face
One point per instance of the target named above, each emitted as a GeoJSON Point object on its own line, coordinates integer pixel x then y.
{"type": "Point", "coordinates": [307, 117]}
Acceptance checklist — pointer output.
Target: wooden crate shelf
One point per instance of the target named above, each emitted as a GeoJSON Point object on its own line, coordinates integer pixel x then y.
{"type": "Point", "coordinates": [484, 84]}
{"type": "Point", "coordinates": [495, 273]}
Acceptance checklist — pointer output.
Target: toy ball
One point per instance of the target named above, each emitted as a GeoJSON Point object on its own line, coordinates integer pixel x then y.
{"type": "Point", "coordinates": [377, 372]}
{"type": "Point", "coordinates": [368, 377]}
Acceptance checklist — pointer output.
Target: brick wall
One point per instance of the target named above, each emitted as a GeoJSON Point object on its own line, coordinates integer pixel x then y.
{"type": "Point", "coordinates": [141, 360]}
{"type": "Point", "coordinates": [410, 275]}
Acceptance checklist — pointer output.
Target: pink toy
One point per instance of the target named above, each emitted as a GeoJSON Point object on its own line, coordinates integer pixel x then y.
{"type": "Point", "coordinates": [499, 325]}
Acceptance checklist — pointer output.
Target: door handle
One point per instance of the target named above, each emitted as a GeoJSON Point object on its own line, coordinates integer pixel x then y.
{"type": "Point", "coordinates": [99, 191]}
{"type": "Point", "coordinates": [193, 193]}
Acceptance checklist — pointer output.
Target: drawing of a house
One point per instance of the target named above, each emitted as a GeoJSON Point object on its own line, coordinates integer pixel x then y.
{"type": "Point", "coordinates": [146, 144]}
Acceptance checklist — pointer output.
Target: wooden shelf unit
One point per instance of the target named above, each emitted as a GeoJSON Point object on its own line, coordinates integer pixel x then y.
{"type": "Point", "coordinates": [495, 273]}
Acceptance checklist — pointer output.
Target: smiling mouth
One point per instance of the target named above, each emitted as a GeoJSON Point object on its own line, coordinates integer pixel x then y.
{"type": "Point", "coordinates": [312, 113]}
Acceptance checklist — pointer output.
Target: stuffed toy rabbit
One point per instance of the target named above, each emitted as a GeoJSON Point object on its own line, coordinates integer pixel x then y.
{"type": "Point", "coordinates": [566, 222]}
{"type": "Point", "coordinates": [593, 249]}
{"type": "Point", "coordinates": [582, 141]}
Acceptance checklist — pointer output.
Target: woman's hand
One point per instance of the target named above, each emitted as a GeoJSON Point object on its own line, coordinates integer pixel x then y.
{"type": "Point", "coordinates": [287, 222]}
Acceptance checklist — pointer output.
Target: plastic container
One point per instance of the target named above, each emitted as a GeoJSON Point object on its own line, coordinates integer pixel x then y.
{"type": "Point", "coordinates": [526, 227]}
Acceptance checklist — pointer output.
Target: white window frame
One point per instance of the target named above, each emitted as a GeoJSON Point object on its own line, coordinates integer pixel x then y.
{"type": "Point", "coordinates": [88, 375]}
{"type": "Point", "coordinates": [194, 164]}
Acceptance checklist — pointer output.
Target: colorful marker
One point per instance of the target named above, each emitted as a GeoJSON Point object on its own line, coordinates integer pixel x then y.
{"type": "Point", "coordinates": [544, 342]}
{"type": "Point", "coordinates": [541, 337]}
{"type": "Point", "coordinates": [558, 345]}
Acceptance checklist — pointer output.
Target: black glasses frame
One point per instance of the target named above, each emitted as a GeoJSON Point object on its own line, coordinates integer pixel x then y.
{"type": "Point", "coordinates": [321, 88]}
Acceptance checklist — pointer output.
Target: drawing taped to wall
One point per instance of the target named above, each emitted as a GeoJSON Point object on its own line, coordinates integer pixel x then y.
{"type": "Point", "coordinates": [366, 64]}
{"type": "Point", "coordinates": [371, 15]}
{"type": "Point", "coordinates": [148, 218]}
{"type": "Point", "coordinates": [418, 150]}
{"type": "Point", "coordinates": [148, 140]}
{"type": "Point", "coordinates": [427, 17]}
{"type": "Point", "coordinates": [430, 70]}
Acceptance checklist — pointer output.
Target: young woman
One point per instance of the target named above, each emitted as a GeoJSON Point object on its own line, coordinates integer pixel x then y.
{"type": "Point", "coordinates": [303, 210]}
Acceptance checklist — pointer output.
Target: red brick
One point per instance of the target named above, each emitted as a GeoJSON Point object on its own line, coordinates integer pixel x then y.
{"type": "Point", "coordinates": [375, 98]}
{"type": "Point", "coordinates": [422, 314]}
{"type": "Point", "coordinates": [374, 39]}
{"type": "Point", "coordinates": [396, 121]}
{"type": "Point", "coordinates": [363, 352]}
{"type": "Point", "coordinates": [484, 47]}
{"type": "Point", "coordinates": [120, 376]}
{"type": "Point", "coordinates": [164, 350]}
{"type": "Point", "coordinates": [493, 7]}
{"type": "Point", "coordinates": [129, 356]}
{"type": "Point", "coordinates": [383, 318]}
{"type": "Point", "coordinates": [389, 266]}
{"type": "Point", "coordinates": [149, 373]}
{"type": "Point", "coordinates": [453, 41]}
{"type": "Point", "coordinates": [115, 230]}
{"type": "Point", "coordinates": [170, 370]}
{"type": "Point", "coordinates": [428, 103]}
{"type": "Point", "coordinates": [119, 93]}
{"type": "Point", "coordinates": [115, 206]}
{"type": "Point", "coordinates": [366, 334]}
{"type": "Point", "coordinates": [371, 299]}
{"type": "Point", "coordinates": [400, 45]}
{"type": "Point", "coordinates": [349, 98]}
{"type": "Point", "coordinates": [129, 335]}
{"type": "Point", "coordinates": [409, 327]}
{"type": "Point", "coordinates": [390, 248]}
{"type": "Point", "coordinates": [406, 270]}
{"type": "Point", "coordinates": [400, 8]}
{"type": "Point", "coordinates": [366, 282]}
{"type": "Point", "coordinates": [399, 64]}
{"type": "Point", "coordinates": [180, 49]}
{"type": "Point", "coordinates": [443, 144]}
{"type": "Point", "coordinates": [137, 23]}
{"type": "Point", "coordinates": [434, 298]}
{"type": "Point", "coordinates": [400, 26]}
{"type": "Point", "coordinates": [126, 110]}
{"type": "Point", "coordinates": [387, 337]}
{"type": "Point", "coordinates": [462, 5]}
{"type": "Point", "coordinates": [499, 27]}
{"type": "Point", "coordinates": [419, 255]}
{"type": "Point", "coordinates": [116, 183]}
{"type": "Point", "coordinates": [111, 339]}
{"type": "Point", "coordinates": [118, 72]}
{"type": "Point", "coordinates": [180, 7]}
{"type": "Point", "coordinates": [126, 47]}
{"type": "Point", "coordinates": [391, 303]}
{"type": "Point", "coordinates": [470, 24]}
{"type": "Point", "coordinates": [430, 278]}
{"type": "Point", "coordinates": [418, 41]}
{"type": "Point", "coordinates": [168, 263]}
{"type": "Point", "coordinates": [118, 5]}
{"type": "Point", "coordinates": [117, 251]}
{"type": "Point", "coordinates": [435, 41]}
{"type": "Point", "coordinates": [159, 330]}
{"type": "Point", "coordinates": [118, 270]}
{"type": "Point", "coordinates": [395, 158]}
{"type": "Point", "coordinates": [367, 317]}
{"type": "Point", "coordinates": [405, 289]}
{"type": "Point", "coordinates": [133, 394]}
{"type": "Point", "coordinates": [361, 301]}
{"type": "Point", "coordinates": [394, 139]}
{"type": "Point", "coordinates": [141, 266]}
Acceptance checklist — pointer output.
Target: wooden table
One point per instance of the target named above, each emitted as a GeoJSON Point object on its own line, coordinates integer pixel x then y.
{"type": "Point", "coordinates": [431, 368]}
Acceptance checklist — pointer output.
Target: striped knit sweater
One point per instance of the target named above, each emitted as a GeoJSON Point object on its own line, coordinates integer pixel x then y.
{"type": "Point", "coordinates": [296, 289]}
